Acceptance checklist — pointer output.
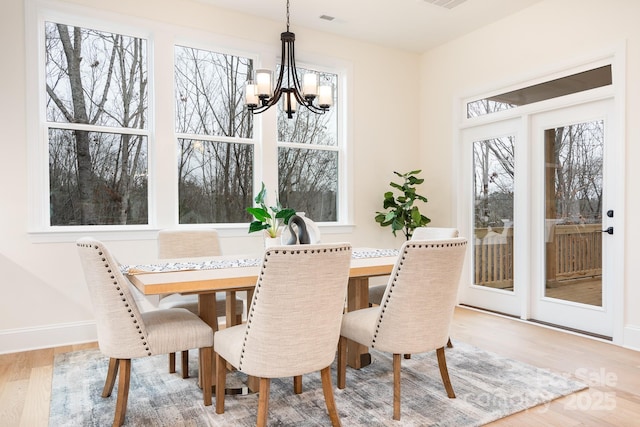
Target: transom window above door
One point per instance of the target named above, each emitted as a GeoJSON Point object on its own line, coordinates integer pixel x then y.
{"type": "Point", "coordinates": [578, 82]}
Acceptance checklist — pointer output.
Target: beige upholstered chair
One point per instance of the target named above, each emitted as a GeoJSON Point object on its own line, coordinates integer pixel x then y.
{"type": "Point", "coordinates": [174, 244]}
{"type": "Point", "coordinates": [294, 321]}
{"type": "Point", "coordinates": [188, 243]}
{"type": "Point", "coordinates": [420, 233]}
{"type": "Point", "coordinates": [416, 311]}
{"type": "Point", "coordinates": [125, 333]}
{"type": "Point", "coordinates": [434, 233]}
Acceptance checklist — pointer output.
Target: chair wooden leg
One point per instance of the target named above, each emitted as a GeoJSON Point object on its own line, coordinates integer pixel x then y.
{"type": "Point", "coordinates": [297, 384]}
{"type": "Point", "coordinates": [444, 372]}
{"type": "Point", "coordinates": [327, 389]}
{"type": "Point", "coordinates": [342, 362]}
{"type": "Point", "coordinates": [124, 379]}
{"type": "Point", "coordinates": [263, 402]}
{"type": "Point", "coordinates": [111, 377]}
{"type": "Point", "coordinates": [396, 386]}
{"type": "Point", "coordinates": [221, 378]}
{"type": "Point", "coordinates": [407, 356]}
{"type": "Point", "coordinates": [184, 358]}
{"type": "Point", "coordinates": [449, 345]}
{"type": "Point", "coordinates": [206, 354]}
{"type": "Point", "coordinates": [172, 363]}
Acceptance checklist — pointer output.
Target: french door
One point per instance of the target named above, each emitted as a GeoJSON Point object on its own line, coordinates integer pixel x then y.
{"type": "Point", "coordinates": [491, 214]}
{"type": "Point", "coordinates": [574, 197]}
{"type": "Point", "coordinates": [538, 195]}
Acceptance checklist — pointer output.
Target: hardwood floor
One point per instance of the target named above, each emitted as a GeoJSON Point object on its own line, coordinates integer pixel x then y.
{"type": "Point", "coordinates": [25, 385]}
{"type": "Point", "coordinates": [613, 398]}
{"type": "Point", "coordinates": [612, 372]}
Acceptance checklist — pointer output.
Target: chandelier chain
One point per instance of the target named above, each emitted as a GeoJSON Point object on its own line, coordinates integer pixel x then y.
{"type": "Point", "coordinates": [287, 15]}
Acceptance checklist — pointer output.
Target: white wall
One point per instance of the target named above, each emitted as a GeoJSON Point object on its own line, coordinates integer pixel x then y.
{"type": "Point", "coordinates": [44, 301]}
{"type": "Point", "coordinates": [548, 35]}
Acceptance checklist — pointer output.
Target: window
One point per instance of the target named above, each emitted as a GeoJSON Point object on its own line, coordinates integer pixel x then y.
{"type": "Point", "coordinates": [574, 83]}
{"type": "Point", "coordinates": [215, 168]}
{"type": "Point", "coordinates": [308, 150]}
{"type": "Point", "coordinates": [137, 125]}
{"type": "Point", "coordinates": [96, 120]}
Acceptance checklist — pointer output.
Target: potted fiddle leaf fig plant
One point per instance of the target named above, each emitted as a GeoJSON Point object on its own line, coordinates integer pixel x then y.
{"type": "Point", "coordinates": [269, 218]}
{"type": "Point", "coordinates": [400, 212]}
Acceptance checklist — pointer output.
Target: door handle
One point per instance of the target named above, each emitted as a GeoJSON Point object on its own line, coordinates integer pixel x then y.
{"type": "Point", "coordinates": [608, 230]}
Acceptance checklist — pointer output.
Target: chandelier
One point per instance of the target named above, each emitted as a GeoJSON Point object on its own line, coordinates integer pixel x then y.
{"type": "Point", "coordinates": [260, 96]}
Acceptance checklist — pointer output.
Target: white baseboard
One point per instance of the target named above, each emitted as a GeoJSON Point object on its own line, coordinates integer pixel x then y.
{"type": "Point", "coordinates": [23, 339]}
{"type": "Point", "coordinates": [632, 337]}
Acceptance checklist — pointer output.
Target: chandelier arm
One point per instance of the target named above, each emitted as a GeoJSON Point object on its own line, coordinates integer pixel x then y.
{"type": "Point", "coordinates": [317, 110]}
{"type": "Point", "coordinates": [297, 92]}
{"type": "Point", "coordinates": [294, 76]}
{"type": "Point", "coordinates": [292, 66]}
{"type": "Point", "coordinates": [262, 108]}
{"type": "Point", "coordinates": [283, 59]}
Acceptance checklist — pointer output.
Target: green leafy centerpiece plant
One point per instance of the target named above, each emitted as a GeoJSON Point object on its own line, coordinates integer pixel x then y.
{"type": "Point", "coordinates": [268, 218]}
{"type": "Point", "coordinates": [401, 213]}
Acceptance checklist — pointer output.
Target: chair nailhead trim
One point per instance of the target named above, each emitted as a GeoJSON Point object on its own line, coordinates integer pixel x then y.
{"type": "Point", "coordinates": [267, 254]}
{"type": "Point", "coordinates": [121, 294]}
{"type": "Point", "coordinates": [395, 278]}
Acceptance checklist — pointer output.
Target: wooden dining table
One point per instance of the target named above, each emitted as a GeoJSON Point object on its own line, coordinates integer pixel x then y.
{"type": "Point", "coordinates": [230, 274]}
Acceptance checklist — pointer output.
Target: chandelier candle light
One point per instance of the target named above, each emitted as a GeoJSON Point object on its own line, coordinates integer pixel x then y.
{"type": "Point", "coordinates": [259, 96]}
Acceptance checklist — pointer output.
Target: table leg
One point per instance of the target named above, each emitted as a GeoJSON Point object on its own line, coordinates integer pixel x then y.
{"type": "Point", "coordinates": [207, 312]}
{"type": "Point", "coordinates": [230, 308]}
{"type": "Point", "coordinates": [249, 298]}
{"type": "Point", "coordinates": [357, 297]}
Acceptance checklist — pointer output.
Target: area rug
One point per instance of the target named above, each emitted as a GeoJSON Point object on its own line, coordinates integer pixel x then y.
{"type": "Point", "coordinates": [488, 387]}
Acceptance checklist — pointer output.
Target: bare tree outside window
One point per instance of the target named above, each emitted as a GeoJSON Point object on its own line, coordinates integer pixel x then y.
{"type": "Point", "coordinates": [494, 181]}
{"type": "Point", "coordinates": [582, 81]}
{"type": "Point", "coordinates": [215, 168]}
{"type": "Point", "coordinates": [96, 87]}
{"type": "Point", "coordinates": [486, 106]}
{"type": "Point", "coordinates": [493, 161]}
{"type": "Point", "coordinates": [576, 172]}
{"type": "Point", "coordinates": [308, 158]}
{"type": "Point", "coordinates": [97, 134]}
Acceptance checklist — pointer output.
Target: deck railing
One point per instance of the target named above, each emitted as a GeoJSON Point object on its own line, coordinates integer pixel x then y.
{"type": "Point", "coordinates": [573, 252]}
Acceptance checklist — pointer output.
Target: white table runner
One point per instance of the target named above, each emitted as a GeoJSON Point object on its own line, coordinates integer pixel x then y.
{"type": "Point", "coordinates": [231, 263]}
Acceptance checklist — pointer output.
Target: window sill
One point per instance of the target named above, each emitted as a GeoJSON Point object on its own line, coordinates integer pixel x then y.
{"type": "Point", "coordinates": [71, 234]}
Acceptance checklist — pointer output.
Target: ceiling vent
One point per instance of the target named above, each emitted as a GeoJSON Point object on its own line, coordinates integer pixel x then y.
{"type": "Point", "coordinates": [449, 4]}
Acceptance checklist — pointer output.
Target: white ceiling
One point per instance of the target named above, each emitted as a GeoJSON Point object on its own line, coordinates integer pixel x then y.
{"type": "Point", "coordinates": [414, 25]}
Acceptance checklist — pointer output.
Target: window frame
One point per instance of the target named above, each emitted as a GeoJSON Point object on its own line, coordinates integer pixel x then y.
{"type": "Point", "coordinates": [161, 132]}
{"type": "Point", "coordinates": [342, 210]}
{"type": "Point", "coordinates": [47, 125]}
{"type": "Point", "coordinates": [254, 141]}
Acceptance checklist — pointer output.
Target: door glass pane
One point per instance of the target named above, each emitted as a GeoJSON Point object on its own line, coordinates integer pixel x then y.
{"type": "Point", "coordinates": [573, 206]}
{"type": "Point", "coordinates": [493, 212]}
